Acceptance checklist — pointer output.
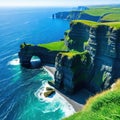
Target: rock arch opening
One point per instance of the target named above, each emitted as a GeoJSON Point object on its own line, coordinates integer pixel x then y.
{"type": "Point", "coordinates": [35, 62]}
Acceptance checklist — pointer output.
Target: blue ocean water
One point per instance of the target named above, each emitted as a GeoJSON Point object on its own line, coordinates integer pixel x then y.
{"type": "Point", "coordinates": [20, 87]}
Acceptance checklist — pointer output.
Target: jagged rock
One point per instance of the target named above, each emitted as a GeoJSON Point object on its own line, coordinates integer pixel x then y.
{"type": "Point", "coordinates": [71, 70]}
{"type": "Point", "coordinates": [76, 36]}
{"type": "Point", "coordinates": [49, 91]}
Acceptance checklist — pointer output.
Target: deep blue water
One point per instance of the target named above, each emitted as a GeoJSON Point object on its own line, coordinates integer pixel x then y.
{"type": "Point", "coordinates": [20, 87]}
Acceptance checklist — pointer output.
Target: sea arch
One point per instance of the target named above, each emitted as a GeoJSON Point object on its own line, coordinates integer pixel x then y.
{"type": "Point", "coordinates": [28, 51]}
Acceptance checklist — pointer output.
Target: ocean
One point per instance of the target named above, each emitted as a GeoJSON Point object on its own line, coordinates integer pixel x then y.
{"type": "Point", "coordinates": [20, 87]}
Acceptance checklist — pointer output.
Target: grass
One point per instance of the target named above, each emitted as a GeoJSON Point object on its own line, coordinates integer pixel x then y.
{"type": "Point", "coordinates": [73, 53]}
{"type": "Point", "coordinates": [55, 46]}
{"type": "Point", "coordinates": [112, 17]}
{"type": "Point", "coordinates": [115, 25]}
{"type": "Point", "coordinates": [103, 106]}
{"type": "Point", "coordinates": [85, 22]}
{"type": "Point", "coordinates": [101, 11]}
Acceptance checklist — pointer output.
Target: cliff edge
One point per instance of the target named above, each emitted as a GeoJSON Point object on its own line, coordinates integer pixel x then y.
{"type": "Point", "coordinates": [89, 56]}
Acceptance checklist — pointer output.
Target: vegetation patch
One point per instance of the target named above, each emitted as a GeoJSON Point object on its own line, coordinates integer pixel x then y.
{"type": "Point", "coordinates": [103, 106]}
{"type": "Point", "coordinates": [79, 64]}
{"type": "Point", "coordinates": [55, 46]}
{"type": "Point", "coordinates": [115, 25]}
{"type": "Point", "coordinates": [84, 22]}
{"type": "Point", "coordinates": [101, 11]}
{"type": "Point", "coordinates": [115, 17]}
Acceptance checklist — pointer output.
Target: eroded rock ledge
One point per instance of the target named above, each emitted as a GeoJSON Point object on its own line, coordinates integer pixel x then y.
{"type": "Point", "coordinates": [93, 59]}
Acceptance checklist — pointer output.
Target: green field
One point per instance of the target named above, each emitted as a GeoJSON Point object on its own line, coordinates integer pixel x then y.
{"type": "Point", "coordinates": [56, 46]}
{"type": "Point", "coordinates": [111, 17]}
{"type": "Point", "coordinates": [101, 11]}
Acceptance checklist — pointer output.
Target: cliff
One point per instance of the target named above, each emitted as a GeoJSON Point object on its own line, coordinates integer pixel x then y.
{"type": "Point", "coordinates": [72, 70]}
{"type": "Point", "coordinates": [103, 46]}
{"type": "Point", "coordinates": [88, 57]}
{"type": "Point", "coordinates": [76, 36]}
{"type": "Point", "coordinates": [97, 14]}
{"type": "Point", "coordinates": [76, 15]}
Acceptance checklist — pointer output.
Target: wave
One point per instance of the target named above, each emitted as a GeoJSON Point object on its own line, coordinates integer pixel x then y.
{"type": "Point", "coordinates": [8, 109]}
{"type": "Point", "coordinates": [54, 103]}
{"type": "Point", "coordinates": [15, 61]}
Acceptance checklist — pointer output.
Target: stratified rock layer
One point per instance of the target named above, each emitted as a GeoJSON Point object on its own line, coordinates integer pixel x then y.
{"type": "Point", "coordinates": [103, 48]}
{"type": "Point", "coordinates": [72, 70]}
{"type": "Point", "coordinates": [95, 69]}
{"type": "Point", "coordinates": [103, 45]}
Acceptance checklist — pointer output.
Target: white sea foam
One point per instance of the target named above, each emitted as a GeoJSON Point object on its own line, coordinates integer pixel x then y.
{"type": "Point", "coordinates": [66, 107]}
{"type": "Point", "coordinates": [57, 101]}
{"type": "Point", "coordinates": [15, 61]}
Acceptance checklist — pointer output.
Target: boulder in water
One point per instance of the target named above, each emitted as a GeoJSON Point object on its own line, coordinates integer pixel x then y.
{"type": "Point", "coordinates": [49, 91]}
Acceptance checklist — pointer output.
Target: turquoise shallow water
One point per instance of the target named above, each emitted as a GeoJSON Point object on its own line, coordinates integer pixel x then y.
{"type": "Point", "coordinates": [20, 87]}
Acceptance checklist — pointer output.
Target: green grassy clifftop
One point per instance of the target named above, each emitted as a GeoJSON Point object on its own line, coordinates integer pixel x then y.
{"type": "Point", "coordinates": [96, 14]}
{"type": "Point", "coordinates": [103, 106]}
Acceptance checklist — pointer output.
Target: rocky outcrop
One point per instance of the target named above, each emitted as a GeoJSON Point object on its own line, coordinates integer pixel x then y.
{"type": "Point", "coordinates": [49, 91]}
{"type": "Point", "coordinates": [103, 47]}
{"type": "Point", "coordinates": [96, 63]}
{"type": "Point", "coordinates": [76, 36]}
{"type": "Point", "coordinates": [72, 70]}
{"type": "Point", "coordinates": [28, 51]}
{"type": "Point", "coordinates": [76, 15]}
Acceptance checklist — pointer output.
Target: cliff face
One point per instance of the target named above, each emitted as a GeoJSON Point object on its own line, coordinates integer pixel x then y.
{"type": "Point", "coordinates": [103, 45]}
{"type": "Point", "coordinates": [93, 59]}
{"type": "Point", "coordinates": [103, 48]}
{"type": "Point", "coordinates": [76, 15]}
{"type": "Point", "coordinates": [72, 70]}
{"type": "Point", "coordinates": [76, 36]}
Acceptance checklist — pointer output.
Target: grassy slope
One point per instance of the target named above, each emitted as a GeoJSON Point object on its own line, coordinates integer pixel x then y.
{"type": "Point", "coordinates": [56, 46]}
{"type": "Point", "coordinates": [112, 17]}
{"type": "Point", "coordinates": [101, 11]}
{"type": "Point", "coordinates": [103, 106]}
{"type": "Point", "coordinates": [115, 25]}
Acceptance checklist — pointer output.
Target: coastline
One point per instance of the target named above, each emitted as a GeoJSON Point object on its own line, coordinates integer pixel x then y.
{"type": "Point", "coordinates": [78, 99]}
